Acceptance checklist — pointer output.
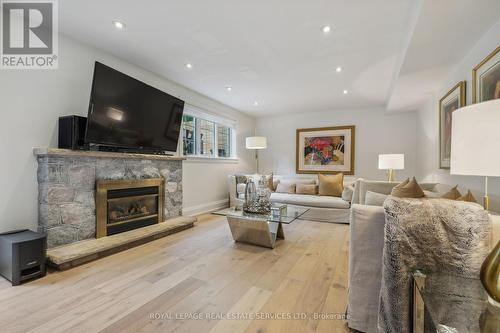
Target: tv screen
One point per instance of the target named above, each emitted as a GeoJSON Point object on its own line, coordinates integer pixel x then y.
{"type": "Point", "coordinates": [125, 112]}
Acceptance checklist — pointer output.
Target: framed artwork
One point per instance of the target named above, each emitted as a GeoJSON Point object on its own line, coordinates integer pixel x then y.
{"type": "Point", "coordinates": [486, 78]}
{"type": "Point", "coordinates": [325, 150]}
{"type": "Point", "coordinates": [453, 100]}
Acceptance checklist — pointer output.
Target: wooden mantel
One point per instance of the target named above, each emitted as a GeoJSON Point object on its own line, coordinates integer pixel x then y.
{"type": "Point", "coordinates": [103, 154]}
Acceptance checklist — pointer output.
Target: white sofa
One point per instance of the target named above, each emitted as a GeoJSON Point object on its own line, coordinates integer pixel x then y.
{"type": "Point", "coordinates": [366, 248]}
{"type": "Point", "coordinates": [321, 208]}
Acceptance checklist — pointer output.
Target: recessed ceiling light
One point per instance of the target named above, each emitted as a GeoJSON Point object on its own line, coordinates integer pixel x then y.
{"type": "Point", "coordinates": [338, 69]}
{"type": "Point", "coordinates": [228, 88]}
{"type": "Point", "coordinates": [255, 103]}
{"type": "Point", "coordinates": [345, 92]}
{"type": "Point", "coordinates": [119, 25]}
{"type": "Point", "coordinates": [326, 29]}
{"type": "Point", "coordinates": [189, 65]}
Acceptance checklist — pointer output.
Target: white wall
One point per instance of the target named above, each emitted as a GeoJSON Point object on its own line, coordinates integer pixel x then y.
{"type": "Point", "coordinates": [428, 124]}
{"type": "Point", "coordinates": [31, 102]}
{"type": "Point", "coordinates": [376, 133]}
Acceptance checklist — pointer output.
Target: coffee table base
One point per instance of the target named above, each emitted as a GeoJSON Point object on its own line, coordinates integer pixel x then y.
{"type": "Point", "coordinates": [256, 232]}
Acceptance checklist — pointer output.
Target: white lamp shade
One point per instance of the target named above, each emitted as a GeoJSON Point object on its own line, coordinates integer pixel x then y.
{"type": "Point", "coordinates": [391, 161]}
{"type": "Point", "coordinates": [256, 142]}
{"type": "Point", "coordinates": [475, 138]}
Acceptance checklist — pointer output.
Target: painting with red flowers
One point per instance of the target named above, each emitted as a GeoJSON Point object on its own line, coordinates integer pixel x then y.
{"type": "Point", "coordinates": [325, 150]}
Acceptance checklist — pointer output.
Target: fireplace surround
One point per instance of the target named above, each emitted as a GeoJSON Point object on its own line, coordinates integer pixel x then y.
{"type": "Point", "coordinates": [123, 205]}
{"type": "Point", "coordinates": [67, 188]}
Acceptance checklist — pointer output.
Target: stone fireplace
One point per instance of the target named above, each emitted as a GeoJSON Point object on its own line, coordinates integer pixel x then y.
{"type": "Point", "coordinates": [69, 182]}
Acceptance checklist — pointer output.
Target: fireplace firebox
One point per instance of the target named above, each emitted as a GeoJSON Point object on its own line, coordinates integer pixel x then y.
{"type": "Point", "coordinates": [123, 205]}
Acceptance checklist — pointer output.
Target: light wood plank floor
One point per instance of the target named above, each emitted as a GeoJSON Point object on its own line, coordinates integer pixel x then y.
{"type": "Point", "coordinates": [174, 283]}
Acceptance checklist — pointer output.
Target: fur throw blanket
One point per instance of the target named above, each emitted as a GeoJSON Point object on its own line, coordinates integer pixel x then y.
{"type": "Point", "coordinates": [434, 235]}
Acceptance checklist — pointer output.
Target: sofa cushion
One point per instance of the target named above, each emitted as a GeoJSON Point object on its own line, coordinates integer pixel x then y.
{"type": "Point", "coordinates": [311, 189]}
{"type": "Point", "coordinates": [310, 200]}
{"type": "Point", "coordinates": [431, 194]}
{"type": "Point", "coordinates": [285, 188]}
{"type": "Point", "coordinates": [331, 185]}
{"type": "Point", "coordinates": [347, 193]}
{"type": "Point", "coordinates": [374, 198]}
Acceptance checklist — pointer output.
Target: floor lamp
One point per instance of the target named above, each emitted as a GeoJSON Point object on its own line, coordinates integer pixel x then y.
{"type": "Point", "coordinates": [256, 143]}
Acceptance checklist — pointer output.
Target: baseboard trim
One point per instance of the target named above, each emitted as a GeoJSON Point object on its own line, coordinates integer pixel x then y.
{"type": "Point", "coordinates": [205, 208]}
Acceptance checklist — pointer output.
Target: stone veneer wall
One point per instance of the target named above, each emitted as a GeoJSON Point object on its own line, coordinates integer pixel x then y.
{"type": "Point", "coordinates": [66, 187]}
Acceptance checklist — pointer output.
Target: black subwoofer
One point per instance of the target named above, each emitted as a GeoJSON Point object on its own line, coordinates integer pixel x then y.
{"type": "Point", "coordinates": [22, 256]}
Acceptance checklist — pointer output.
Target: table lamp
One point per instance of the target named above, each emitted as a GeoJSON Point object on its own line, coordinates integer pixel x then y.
{"type": "Point", "coordinates": [256, 143]}
{"type": "Point", "coordinates": [474, 139]}
{"type": "Point", "coordinates": [391, 162]}
{"type": "Point", "coordinates": [474, 152]}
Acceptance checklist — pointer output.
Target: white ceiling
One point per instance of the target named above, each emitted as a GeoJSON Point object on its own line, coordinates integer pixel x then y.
{"type": "Point", "coordinates": [273, 51]}
{"type": "Point", "coordinates": [443, 34]}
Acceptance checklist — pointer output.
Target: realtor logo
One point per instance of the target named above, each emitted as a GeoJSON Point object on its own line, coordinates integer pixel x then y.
{"type": "Point", "coordinates": [29, 34]}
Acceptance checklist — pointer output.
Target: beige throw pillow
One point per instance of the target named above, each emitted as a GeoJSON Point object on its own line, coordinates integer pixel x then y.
{"type": "Point", "coordinates": [452, 194]}
{"type": "Point", "coordinates": [408, 189]}
{"type": "Point", "coordinates": [310, 189]}
{"type": "Point", "coordinates": [285, 188]}
{"type": "Point", "coordinates": [469, 197]}
{"type": "Point", "coordinates": [269, 181]}
{"type": "Point", "coordinates": [331, 185]}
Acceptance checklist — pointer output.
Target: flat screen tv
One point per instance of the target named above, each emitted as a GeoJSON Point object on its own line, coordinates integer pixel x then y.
{"type": "Point", "coordinates": [127, 113]}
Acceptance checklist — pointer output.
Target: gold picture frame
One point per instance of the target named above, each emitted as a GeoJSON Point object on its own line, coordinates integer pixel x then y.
{"type": "Point", "coordinates": [327, 150]}
{"type": "Point", "coordinates": [489, 64]}
{"type": "Point", "coordinates": [451, 101]}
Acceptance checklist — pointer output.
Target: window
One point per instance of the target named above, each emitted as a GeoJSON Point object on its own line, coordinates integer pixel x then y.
{"type": "Point", "coordinates": [223, 141]}
{"type": "Point", "coordinates": [204, 136]}
{"type": "Point", "coordinates": [188, 135]}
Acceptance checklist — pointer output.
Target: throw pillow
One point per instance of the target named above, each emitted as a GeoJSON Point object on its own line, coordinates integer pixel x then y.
{"type": "Point", "coordinates": [408, 189]}
{"type": "Point", "coordinates": [452, 194]}
{"type": "Point", "coordinates": [310, 189]}
{"type": "Point", "coordinates": [285, 188]}
{"type": "Point", "coordinates": [347, 193]}
{"type": "Point", "coordinates": [241, 179]}
{"type": "Point", "coordinates": [275, 184]}
{"type": "Point", "coordinates": [469, 197]}
{"type": "Point", "coordinates": [331, 185]}
{"type": "Point", "coordinates": [374, 198]}
{"type": "Point", "coordinates": [269, 181]}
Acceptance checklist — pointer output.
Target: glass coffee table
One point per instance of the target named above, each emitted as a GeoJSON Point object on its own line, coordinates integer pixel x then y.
{"type": "Point", "coordinates": [449, 303]}
{"type": "Point", "coordinates": [261, 229]}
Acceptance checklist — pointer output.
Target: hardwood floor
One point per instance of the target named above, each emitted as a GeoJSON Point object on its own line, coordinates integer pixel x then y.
{"type": "Point", "coordinates": [174, 283]}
